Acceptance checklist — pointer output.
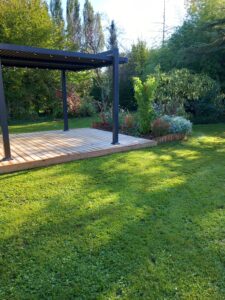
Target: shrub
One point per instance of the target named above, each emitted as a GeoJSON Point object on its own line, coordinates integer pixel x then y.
{"type": "Point", "coordinates": [106, 115]}
{"type": "Point", "coordinates": [129, 124]}
{"type": "Point", "coordinates": [144, 93]}
{"type": "Point", "coordinates": [74, 103]}
{"type": "Point", "coordinates": [129, 121]}
{"type": "Point", "coordinates": [87, 107]}
{"type": "Point", "coordinates": [204, 111]}
{"type": "Point", "coordinates": [179, 90]}
{"type": "Point", "coordinates": [80, 107]}
{"type": "Point", "coordinates": [178, 124]}
{"type": "Point", "coordinates": [160, 127]}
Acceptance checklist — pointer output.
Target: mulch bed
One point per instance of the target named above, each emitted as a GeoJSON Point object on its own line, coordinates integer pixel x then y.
{"type": "Point", "coordinates": [103, 126]}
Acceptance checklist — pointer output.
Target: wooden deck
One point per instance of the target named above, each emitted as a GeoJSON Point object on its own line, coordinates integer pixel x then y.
{"type": "Point", "coordinates": [38, 149]}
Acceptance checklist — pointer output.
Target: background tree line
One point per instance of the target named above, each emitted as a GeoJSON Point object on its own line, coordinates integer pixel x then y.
{"type": "Point", "coordinates": [192, 56]}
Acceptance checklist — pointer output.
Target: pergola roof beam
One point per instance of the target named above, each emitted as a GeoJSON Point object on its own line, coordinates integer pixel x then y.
{"type": "Point", "coordinates": [23, 56]}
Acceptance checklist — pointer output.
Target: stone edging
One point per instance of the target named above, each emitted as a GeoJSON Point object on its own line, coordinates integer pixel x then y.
{"type": "Point", "coordinates": [170, 138]}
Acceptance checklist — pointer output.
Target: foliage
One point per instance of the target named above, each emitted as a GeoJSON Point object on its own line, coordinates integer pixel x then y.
{"type": "Point", "coordinates": [80, 82]}
{"type": "Point", "coordinates": [160, 127]}
{"type": "Point", "coordinates": [114, 227]}
{"type": "Point", "coordinates": [102, 87]}
{"type": "Point", "coordinates": [27, 23]}
{"type": "Point", "coordinates": [93, 37]}
{"type": "Point", "coordinates": [129, 121]}
{"type": "Point", "coordinates": [74, 102]}
{"type": "Point", "coordinates": [206, 10]}
{"type": "Point", "coordinates": [198, 44]}
{"type": "Point", "coordinates": [177, 90]}
{"type": "Point", "coordinates": [137, 60]}
{"type": "Point", "coordinates": [80, 106]}
{"type": "Point", "coordinates": [128, 124]}
{"type": "Point", "coordinates": [29, 92]}
{"type": "Point", "coordinates": [87, 107]}
{"type": "Point", "coordinates": [144, 95]}
{"type": "Point", "coordinates": [57, 12]}
{"type": "Point", "coordinates": [113, 38]}
{"type": "Point", "coordinates": [106, 115]}
{"type": "Point", "coordinates": [208, 111]}
{"type": "Point", "coordinates": [74, 28]}
{"type": "Point", "coordinates": [178, 124]}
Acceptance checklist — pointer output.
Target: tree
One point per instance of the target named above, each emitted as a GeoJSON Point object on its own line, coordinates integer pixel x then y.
{"type": "Point", "coordinates": [56, 11]}
{"type": "Point", "coordinates": [93, 37]}
{"type": "Point", "coordinates": [93, 42]}
{"type": "Point", "coordinates": [98, 42]}
{"type": "Point", "coordinates": [113, 39]}
{"type": "Point", "coordinates": [137, 61]}
{"type": "Point", "coordinates": [138, 58]}
{"type": "Point", "coordinates": [28, 23]}
{"type": "Point", "coordinates": [206, 10]}
{"type": "Point", "coordinates": [179, 89]}
{"type": "Point", "coordinates": [88, 26]}
{"type": "Point", "coordinates": [105, 79]}
{"type": "Point", "coordinates": [198, 45]}
{"type": "Point", "coordinates": [74, 29]}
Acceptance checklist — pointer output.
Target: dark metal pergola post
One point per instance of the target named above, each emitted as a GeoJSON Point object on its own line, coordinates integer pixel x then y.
{"type": "Point", "coordinates": [115, 96]}
{"type": "Point", "coordinates": [4, 119]}
{"type": "Point", "coordinates": [64, 97]}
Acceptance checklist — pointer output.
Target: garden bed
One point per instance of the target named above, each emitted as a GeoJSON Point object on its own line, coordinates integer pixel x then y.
{"type": "Point", "coordinates": [162, 139]}
{"type": "Point", "coordinates": [102, 126]}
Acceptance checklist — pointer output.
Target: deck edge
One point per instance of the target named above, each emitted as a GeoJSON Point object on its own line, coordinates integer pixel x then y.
{"type": "Point", "coordinates": [73, 157]}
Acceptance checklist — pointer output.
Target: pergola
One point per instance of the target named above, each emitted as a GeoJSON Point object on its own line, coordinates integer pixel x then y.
{"type": "Point", "coordinates": [30, 57]}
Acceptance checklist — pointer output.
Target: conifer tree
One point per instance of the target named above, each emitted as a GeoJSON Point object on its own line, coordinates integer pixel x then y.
{"type": "Point", "coordinates": [113, 40]}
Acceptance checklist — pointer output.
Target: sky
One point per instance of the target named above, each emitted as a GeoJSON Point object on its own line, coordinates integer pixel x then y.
{"type": "Point", "coordinates": [139, 19]}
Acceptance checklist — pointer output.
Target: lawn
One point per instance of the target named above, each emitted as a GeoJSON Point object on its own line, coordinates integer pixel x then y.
{"type": "Point", "coordinates": [147, 224]}
{"type": "Point", "coordinates": [43, 125]}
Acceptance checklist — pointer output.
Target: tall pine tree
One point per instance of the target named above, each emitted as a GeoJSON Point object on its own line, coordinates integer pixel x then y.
{"type": "Point", "coordinates": [73, 23]}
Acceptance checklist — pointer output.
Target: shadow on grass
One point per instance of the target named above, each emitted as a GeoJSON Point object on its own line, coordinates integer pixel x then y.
{"type": "Point", "coordinates": [137, 226]}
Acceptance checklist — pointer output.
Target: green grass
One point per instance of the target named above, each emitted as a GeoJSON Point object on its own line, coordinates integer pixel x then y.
{"type": "Point", "coordinates": [147, 224]}
{"type": "Point", "coordinates": [23, 126]}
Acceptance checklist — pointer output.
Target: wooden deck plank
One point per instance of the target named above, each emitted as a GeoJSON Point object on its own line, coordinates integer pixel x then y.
{"type": "Point", "coordinates": [39, 149]}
